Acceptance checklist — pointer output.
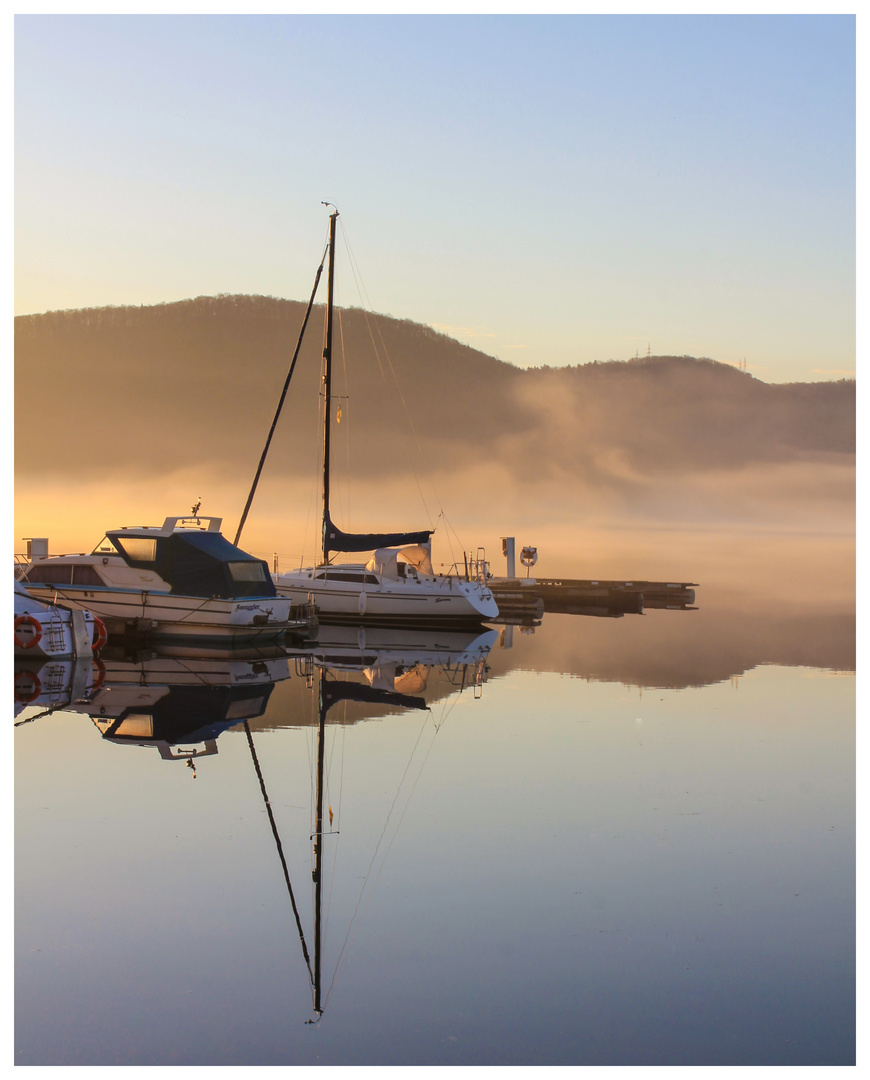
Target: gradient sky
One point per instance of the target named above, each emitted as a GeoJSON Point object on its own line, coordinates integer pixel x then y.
{"type": "Point", "coordinates": [551, 190]}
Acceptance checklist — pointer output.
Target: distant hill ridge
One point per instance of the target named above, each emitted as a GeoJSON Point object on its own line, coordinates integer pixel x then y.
{"type": "Point", "coordinates": [198, 380]}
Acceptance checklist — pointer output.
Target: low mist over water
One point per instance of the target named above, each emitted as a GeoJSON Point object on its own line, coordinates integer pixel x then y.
{"type": "Point", "coordinates": [431, 434]}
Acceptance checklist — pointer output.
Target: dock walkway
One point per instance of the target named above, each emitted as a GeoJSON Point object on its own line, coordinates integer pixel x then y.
{"type": "Point", "coordinates": [592, 597]}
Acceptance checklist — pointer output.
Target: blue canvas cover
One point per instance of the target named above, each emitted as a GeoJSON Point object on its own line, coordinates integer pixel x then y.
{"type": "Point", "coordinates": [336, 540]}
{"type": "Point", "coordinates": [197, 713]}
{"type": "Point", "coordinates": [200, 564]}
{"type": "Point", "coordinates": [336, 690]}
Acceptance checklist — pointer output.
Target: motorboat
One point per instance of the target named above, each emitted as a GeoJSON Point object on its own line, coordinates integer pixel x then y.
{"type": "Point", "coordinates": [182, 580]}
{"type": "Point", "coordinates": [47, 630]}
{"type": "Point", "coordinates": [396, 585]}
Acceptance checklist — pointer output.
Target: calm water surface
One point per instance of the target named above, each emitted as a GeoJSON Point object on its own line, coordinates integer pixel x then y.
{"type": "Point", "coordinates": [606, 841]}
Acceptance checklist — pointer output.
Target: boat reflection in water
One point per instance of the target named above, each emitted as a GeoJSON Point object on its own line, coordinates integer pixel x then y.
{"type": "Point", "coordinates": [392, 668]}
{"type": "Point", "coordinates": [51, 684]}
{"type": "Point", "coordinates": [180, 704]}
{"type": "Point", "coordinates": [400, 660]}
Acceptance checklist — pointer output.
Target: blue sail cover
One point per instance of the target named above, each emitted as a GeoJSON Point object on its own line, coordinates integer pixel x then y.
{"type": "Point", "coordinates": [336, 540]}
{"type": "Point", "coordinates": [336, 690]}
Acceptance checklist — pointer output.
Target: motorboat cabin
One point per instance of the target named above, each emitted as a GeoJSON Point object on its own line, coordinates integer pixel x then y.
{"type": "Point", "coordinates": [180, 579]}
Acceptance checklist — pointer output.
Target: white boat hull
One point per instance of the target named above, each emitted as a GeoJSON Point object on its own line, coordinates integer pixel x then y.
{"type": "Point", "coordinates": [355, 648]}
{"type": "Point", "coordinates": [45, 630]}
{"type": "Point", "coordinates": [440, 601]}
{"type": "Point", "coordinates": [55, 683]}
{"type": "Point", "coordinates": [168, 616]}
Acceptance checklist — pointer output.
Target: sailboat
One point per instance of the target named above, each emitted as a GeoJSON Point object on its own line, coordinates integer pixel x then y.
{"type": "Point", "coordinates": [397, 585]}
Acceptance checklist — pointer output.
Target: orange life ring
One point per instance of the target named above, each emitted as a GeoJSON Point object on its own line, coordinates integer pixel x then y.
{"type": "Point", "coordinates": [101, 675]}
{"type": "Point", "coordinates": [34, 635]}
{"type": "Point", "coordinates": [28, 687]}
{"type": "Point", "coordinates": [100, 635]}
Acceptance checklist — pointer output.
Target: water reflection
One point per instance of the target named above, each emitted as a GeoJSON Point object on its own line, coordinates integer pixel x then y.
{"type": "Point", "coordinates": [565, 872]}
{"type": "Point", "coordinates": [402, 660]}
{"type": "Point", "coordinates": [395, 665]}
{"type": "Point", "coordinates": [49, 685]}
{"type": "Point", "coordinates": [172, 703]}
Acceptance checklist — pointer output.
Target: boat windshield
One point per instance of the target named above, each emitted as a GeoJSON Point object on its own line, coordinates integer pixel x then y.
{"type": "Point", "coordinates": [138, 548]}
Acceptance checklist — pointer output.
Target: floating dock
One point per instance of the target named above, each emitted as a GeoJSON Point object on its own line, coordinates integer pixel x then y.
{"type": "Point", "coordinates": [575, 596]}
{"type": "Point", "coordinates": [522, 598]}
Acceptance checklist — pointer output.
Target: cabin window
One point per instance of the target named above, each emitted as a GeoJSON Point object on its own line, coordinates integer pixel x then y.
{"type": "Point", "coordinates": [86, 575]}
{"type": "Point", "coordinates": [136, 725]}
{"type": "Point", "coordinates": [247, 571]}
{"type": "Point", "coordinates": [139, 548]}
{"type": "Point", "coordinates": [242, 710]}
{"type": "Point", "coordinates": [348, 575]}
{"type": "Point", "coordinates": [51, 575]}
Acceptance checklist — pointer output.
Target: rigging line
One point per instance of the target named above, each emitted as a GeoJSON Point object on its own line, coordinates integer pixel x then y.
{"type": "Point", "coordinates": [280, 849]}
{"type": "Point", "coordinates": [328, 770]}
{"type": "Point", "coordinates": [185, 667]}
{"type": "Point", "coordinates": [193, 611]}
{"type": "Point", "coordinates": [410, 422]}
{"type": "Point", "coordinates": [280, 401]}
{"type": "Point", "coordinates": [312, 496]}
{"type": "Point", "coordinates": [447, 708]}
{"type": "Point", "coordinates": [315, 476]}
{"type": "Point", "coordinates": [342, 486]}
{"type": "Point", "coordinates": [338, 830]}
{"type": "Point", "coordinates": [308, 748]}
{"type": "Point", "coordinates": [346, 429]}
{"type": "Point", "coordinates": [341, 771]}
{"type": "Point", "coordinates": [372, 861]}
{"type": "Point", "coordinates": [401, 819]}
{"type": "Point", "coordinates": [366, 302]}
{"type": "Point", "coordinates": [450, 530]}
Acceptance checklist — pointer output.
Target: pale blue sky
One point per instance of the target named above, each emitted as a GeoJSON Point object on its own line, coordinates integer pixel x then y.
{"type": "Point", "coordinates": [549, 189]}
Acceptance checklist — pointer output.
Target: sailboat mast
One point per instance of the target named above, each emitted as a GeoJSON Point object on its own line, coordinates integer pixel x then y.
{"type": "Point", "coordinates": [327, 380]}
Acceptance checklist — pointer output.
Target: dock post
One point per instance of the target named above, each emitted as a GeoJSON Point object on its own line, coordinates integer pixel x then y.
{"type": "Point", "coordinates": [508, 548]}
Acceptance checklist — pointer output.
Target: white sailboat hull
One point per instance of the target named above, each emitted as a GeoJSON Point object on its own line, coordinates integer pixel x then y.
{"type": "Point", "coordinates": [439, 601]}
{"type": "Point", "coordinates": [355, 648]}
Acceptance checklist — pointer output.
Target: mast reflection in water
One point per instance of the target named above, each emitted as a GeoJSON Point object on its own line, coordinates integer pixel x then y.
{"type": "Point", "coordinates": [594, 841]}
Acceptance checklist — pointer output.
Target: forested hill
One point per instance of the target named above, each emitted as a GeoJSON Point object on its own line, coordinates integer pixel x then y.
{"type": "Point", "coordinates": [198, 381]}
